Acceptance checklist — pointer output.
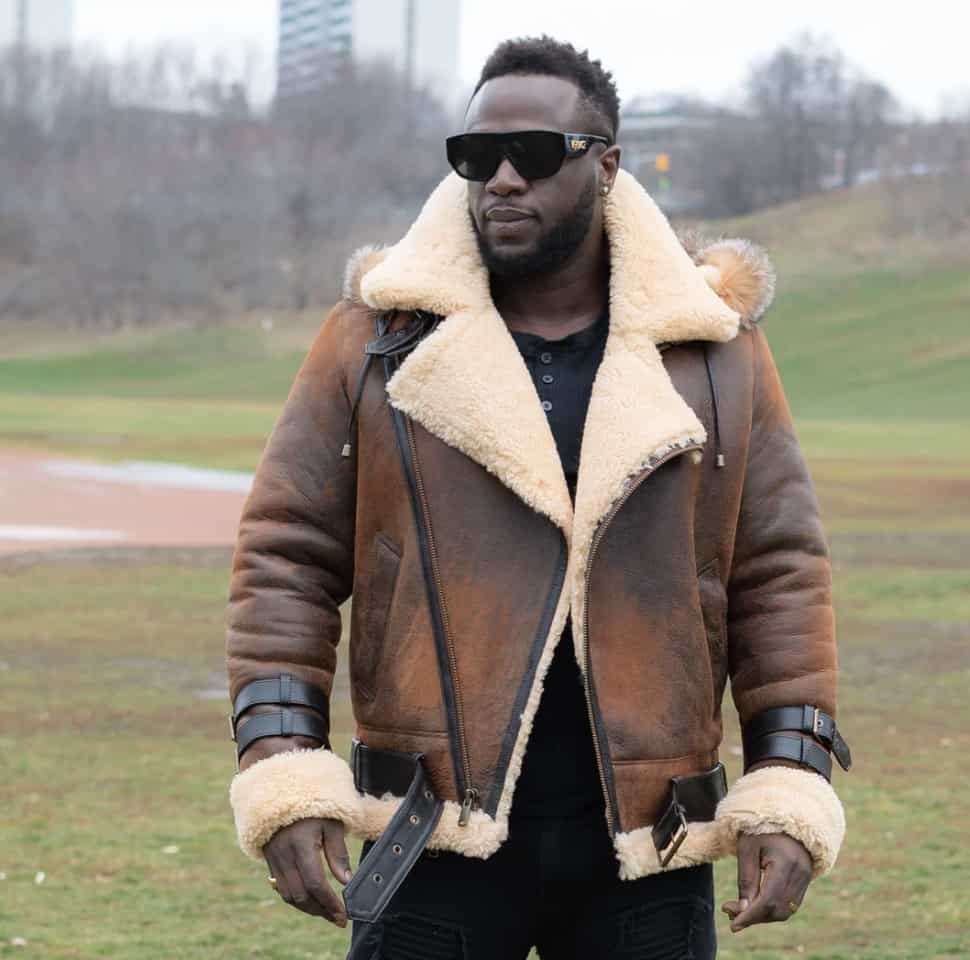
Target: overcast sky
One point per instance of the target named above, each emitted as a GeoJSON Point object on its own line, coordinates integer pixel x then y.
{"type": "Point", "coordinates": [702, 47]}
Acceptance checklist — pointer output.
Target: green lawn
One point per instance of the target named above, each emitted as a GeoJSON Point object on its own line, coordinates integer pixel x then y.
{"type": "Point", "coordinates": [112, 754]}
{"type": "Point", "coordinates": [874, 364]}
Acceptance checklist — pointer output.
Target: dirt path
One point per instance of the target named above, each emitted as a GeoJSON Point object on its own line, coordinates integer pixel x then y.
{"type": "Point", "coordinates": [48, 502]}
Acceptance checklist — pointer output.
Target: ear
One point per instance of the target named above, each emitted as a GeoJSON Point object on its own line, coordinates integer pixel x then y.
{"type": "Point", "coordinates": [609, 164]}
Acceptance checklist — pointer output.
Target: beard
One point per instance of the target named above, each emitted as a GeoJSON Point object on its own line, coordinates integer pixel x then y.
{"type": "Point", "coordinates": [554, 248]}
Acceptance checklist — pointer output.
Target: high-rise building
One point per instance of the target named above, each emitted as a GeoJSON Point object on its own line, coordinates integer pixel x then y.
{"type": "Point", "coordinates": [419, 37]}
{"type": "Point", "coordinates": [37, 24]}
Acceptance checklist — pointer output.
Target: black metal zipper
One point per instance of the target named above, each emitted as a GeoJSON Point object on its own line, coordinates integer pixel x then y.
{"type": "Point", "coordinates": [444, 641]}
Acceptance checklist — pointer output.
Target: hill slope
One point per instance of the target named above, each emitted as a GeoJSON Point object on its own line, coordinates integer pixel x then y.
{"type": "Point", "coordinates": [869, 327]}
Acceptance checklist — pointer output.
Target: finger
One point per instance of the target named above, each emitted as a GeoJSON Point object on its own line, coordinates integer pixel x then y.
{"type": "Point", "coordinates": [321, 898]}
{"type": "Point", "coordinates": [749, 873]}
{"type": "Point", "coordinates": [769, 904]}
{"type": "Point", "coordinates": [798, 880]}
{"type": "Point", "coordinates": [289, 881]}
{"type": "Point", "coordinates": [335, 848]}
{"type": "Point", "coordinates": [276, 870]}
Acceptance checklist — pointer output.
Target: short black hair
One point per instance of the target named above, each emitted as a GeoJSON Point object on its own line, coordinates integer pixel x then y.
{"type": "Point", "coordinates": [548, 57]}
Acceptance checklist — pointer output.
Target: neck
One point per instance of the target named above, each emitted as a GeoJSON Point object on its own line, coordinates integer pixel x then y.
{"type": "Point", "coordinates": [558, 303]}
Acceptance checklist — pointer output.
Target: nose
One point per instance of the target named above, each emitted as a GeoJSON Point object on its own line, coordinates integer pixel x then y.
{"type": "Point", "coordinates": [506, 180]}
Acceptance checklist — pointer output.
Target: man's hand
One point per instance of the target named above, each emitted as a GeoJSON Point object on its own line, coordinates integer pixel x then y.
{"type": "Point", "coordinates": [293, 856]}
{"type": "Point", "coordinates": [787, 867]}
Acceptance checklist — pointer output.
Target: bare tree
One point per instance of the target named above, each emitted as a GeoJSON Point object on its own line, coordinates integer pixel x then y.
{"type": "Point", "coordinates": [134, 190]}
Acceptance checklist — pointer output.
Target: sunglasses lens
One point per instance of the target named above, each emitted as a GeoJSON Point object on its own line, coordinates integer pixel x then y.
{"type": "Point", "coordinates": [535, 154]}
{"type": "Point", "coordinates": [474, 156]}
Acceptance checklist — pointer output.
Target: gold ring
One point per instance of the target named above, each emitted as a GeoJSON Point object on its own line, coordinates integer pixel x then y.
{"type": "Point", "coordinates": [792, 906]}
{"type": "Point", "coordinates": [272, 882]}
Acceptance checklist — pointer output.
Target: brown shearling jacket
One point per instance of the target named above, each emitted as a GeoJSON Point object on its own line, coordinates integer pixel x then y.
{"type": "Point", "coordinates": [694, 554]}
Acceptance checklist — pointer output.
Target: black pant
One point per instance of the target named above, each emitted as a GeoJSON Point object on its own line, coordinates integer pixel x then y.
{"type": "Point", "coordinates": [553, 885]}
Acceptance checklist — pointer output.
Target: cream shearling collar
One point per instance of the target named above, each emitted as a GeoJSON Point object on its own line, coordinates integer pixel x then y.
{"type": "Point", "coordinates": [467, 384]}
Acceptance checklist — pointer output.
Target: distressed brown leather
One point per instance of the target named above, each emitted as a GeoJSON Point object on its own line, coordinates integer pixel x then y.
{"type": "Point", "coordinates": [705, 575]}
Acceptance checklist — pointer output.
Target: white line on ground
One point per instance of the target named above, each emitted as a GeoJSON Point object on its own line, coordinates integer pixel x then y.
{"type": "Point", "coordinates": [154, 474]}
{"type": "Point", "coordinates": [16, 532]}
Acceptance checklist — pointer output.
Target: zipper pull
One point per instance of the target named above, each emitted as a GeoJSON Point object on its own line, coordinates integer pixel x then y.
{"type": "Point", "coordinates": [470, 801]}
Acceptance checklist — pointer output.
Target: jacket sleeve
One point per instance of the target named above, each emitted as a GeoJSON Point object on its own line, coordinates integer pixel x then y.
{"type": "Point", "coordinates": [781, 624]}
{"type": "Point", "coordinates": [292, 569]}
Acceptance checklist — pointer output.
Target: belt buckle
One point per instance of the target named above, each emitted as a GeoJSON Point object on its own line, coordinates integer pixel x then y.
{"type": "Point", "coordinates": [355, 760]}
{"type": "Point", "coordinates": [816, 721]}
{"type": "Point", "coordinates": [232, 736]}
{"type": "Point", "coordinates": [680, 835]}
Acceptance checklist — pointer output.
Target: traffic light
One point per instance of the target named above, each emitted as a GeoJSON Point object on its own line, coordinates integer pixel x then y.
{"type": "Point", "coordinates": [663, 163]}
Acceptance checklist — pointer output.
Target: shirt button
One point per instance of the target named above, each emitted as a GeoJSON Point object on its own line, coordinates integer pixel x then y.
{"type": "Point", "coordinates": [547, 378]}
{"type": "Point", "coordinates": [546, 357]}
{"type": "Point", "coordinates": [546, 405]}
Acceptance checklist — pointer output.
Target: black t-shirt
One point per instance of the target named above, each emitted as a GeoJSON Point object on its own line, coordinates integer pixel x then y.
{"type": "Point", "coordinates": [559, 774]}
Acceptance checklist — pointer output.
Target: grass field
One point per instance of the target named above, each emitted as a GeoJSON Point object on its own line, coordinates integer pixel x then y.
{"type": "Point", "coordinates": [114, 760]}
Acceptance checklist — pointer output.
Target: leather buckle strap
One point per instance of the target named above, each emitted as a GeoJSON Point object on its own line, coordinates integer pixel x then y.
{"type": "Point", "coordinates": [396, 342]}
{"type": "Point", "coordinates": [800, 749]}
{"type": "Point", "coordinates": [669, 832]}
{"type": "Point", "coordinates": [693, 798]}
{"type": "Point", "coordinates": [283, 723]}
{"type": "Point", "coordinates": [381, 771]}
{"type": "Point", "coordinates": [284, 689]}
{"type": "Point", "coordinates": [398, 847]}
{"type": "Point", "coordinates": [805, 718]}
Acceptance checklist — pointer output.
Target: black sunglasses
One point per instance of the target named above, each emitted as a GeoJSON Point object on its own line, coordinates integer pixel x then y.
{"type": "Point", "coordinates": [535, 154]}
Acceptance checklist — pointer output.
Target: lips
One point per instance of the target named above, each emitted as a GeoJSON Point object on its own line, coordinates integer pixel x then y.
{"type": "Point", "coordinates": [507, 215]}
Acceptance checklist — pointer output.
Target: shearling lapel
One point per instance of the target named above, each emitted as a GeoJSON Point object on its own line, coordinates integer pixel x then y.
{"type": "Point", "coordinates": [467, 383]}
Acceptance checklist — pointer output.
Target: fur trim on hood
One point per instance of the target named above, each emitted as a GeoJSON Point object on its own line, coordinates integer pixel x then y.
{"type": "Point", "coordinates": [737, 270]}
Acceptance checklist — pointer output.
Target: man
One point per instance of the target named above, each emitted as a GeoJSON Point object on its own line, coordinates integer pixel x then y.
{"type": "Point", "coordinates": [550, 456]}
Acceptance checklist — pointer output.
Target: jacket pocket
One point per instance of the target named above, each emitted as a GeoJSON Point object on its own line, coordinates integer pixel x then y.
{"type": "Point", "coordinates": [714, 607]}
{"type": "Point", "coordinates": [377, 599]}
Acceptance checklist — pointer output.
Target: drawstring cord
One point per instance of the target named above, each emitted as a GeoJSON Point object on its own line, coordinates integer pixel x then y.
{"type": "Point", "coordinates": [719, 458]}
{"type": "Point", "coordinates": [353, 410]}
{"type": "Point", "coordinates": [387, 344]}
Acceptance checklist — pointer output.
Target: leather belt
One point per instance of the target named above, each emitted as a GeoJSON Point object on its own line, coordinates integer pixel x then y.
{"type": "Point", "coordinates": [400, 844]}
{"type": "Point", "coordinates": [693, 797]}
{"type": "Point", "coordinates": [805, 718]}
{"type": "Point", "coordinates": [282, 723]}
{"type": "Point", "coordinates": [283, 689]}
{"type": "Point", "coordinates": [791, 748]}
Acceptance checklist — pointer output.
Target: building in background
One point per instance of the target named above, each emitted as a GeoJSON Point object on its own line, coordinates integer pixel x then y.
{"type": "Point", "coordinates": [418, 37]}
{"type": "Point", "coordinates": [36, 24]}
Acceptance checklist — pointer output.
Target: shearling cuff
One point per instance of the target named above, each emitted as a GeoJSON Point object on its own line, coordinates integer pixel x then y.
{"type": "Point", "coordinates": [290, 786]}
{"type": "Point", "coordinates": [796, 802]}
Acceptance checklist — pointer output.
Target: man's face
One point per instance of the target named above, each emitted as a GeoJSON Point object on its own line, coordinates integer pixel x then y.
{"type": "Point", "coordinates": [526, 227]}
